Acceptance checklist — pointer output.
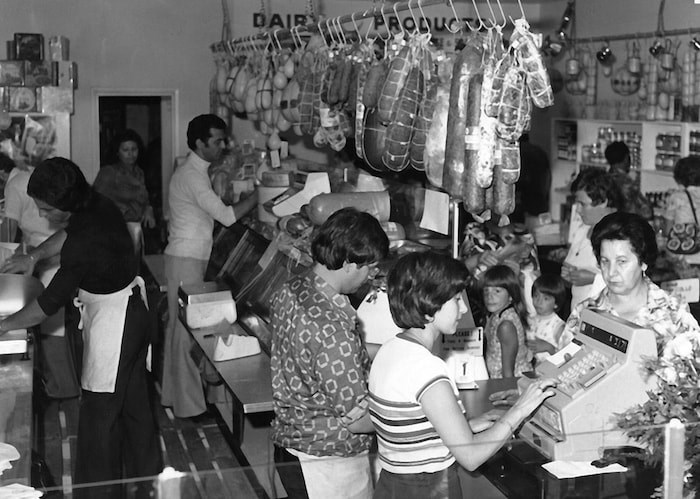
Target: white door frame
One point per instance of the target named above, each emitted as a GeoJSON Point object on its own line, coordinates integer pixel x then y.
{"type": "Point", "coordinates": [168, 139]}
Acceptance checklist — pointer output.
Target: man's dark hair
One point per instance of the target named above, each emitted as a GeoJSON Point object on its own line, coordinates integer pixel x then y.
{"type": "Point", "coordinates": [687, 171]}
{"type": "Point", "coordinates": [621, 226]}
{"type": "Point", "coordinates": [419, 285]}
{"type": "Point", "coordinates": [59, 182]}
{"type": "Point", "coordinates": [616, 152]}
{"type": "Point", "coordinates": [600, 187]}
{"type": "Point", "coordinates": [349, 235]}
{"type": "Point", "coordinates": [200, 126]}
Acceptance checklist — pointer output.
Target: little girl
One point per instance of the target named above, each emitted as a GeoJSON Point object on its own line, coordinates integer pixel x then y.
{"type": "Point", "coordinates": [545, 334]}
{"type": "Point", "coordinates": [507, 354]}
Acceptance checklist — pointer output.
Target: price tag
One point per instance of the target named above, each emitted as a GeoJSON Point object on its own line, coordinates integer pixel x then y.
{"type": "Point", "coordinates": [284, 149]}
{"type": "Point", "coordinates": [687, 290]}
{"type": "Point", "coordinates": [436, 212]}
{"type": "Point", "coordinates": [275, 159]}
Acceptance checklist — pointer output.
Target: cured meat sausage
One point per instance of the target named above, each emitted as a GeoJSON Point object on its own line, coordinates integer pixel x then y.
{"type": "Point", "coordinates": [455, 174]}
{"type": "Point", "coordinates": [400, 129]}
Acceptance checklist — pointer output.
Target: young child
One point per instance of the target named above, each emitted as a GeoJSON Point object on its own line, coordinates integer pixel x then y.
{"type": "Point", "coordinates": [507, 354]}
{"type": "Point", "coordinates": [545, 333]}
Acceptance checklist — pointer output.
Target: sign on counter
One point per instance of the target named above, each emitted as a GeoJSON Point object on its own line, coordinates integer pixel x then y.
{"type": "Point", "coordinates": [687, 290]}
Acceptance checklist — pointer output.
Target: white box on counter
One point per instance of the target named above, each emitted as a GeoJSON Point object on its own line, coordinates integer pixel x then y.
{"type": "Point", "coordinates": [206, 304]}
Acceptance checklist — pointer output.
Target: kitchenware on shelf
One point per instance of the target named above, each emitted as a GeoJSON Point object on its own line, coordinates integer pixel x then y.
{"type": "Point", "coordinates": [695, 43]}
{"type": "Point", "coordinates": [634, 62]}
{"type": "Point", "coordinates": [656, 48]}
{"type": "Point", "coordinates": [605, 55]}
{"type": "Point", "coordinates": [573, 66]}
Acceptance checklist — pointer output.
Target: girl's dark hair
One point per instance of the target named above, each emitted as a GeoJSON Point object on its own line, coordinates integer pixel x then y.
{"type": "Point", "coordinates": [687, 171]}
{"type": "Point", "coordinates": [59, 182]}
{"type": "Point", "coordinates": [502, 276]}
{"type": "Point", "coordinates": [600, 187]}
{"type": "Point", "coordinates": [127, 135]}
{"type": "Point", "coordinates": [552, 285]}
{"type": "Point", "coordinates": [621, 226]}
{"type": "Point", "coordinates": [349, 235]}
{"type": "Point", "coordinates": [419, 285]}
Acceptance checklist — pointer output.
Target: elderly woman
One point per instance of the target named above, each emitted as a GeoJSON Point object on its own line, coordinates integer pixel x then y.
{"type": "Point", "coordinates": [625, 245]}
{"type": "Point", "coordinates": [596, 196]}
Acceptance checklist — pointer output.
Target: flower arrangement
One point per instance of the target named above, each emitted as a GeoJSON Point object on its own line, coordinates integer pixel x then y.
{"type": "Point", "coordinates": [677, 395]}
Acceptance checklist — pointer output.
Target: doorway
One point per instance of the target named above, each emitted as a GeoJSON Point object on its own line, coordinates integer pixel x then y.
{"type": "Point", "coordinates": [151, 115]}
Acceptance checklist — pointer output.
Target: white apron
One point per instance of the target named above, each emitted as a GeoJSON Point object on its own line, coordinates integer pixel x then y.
{"type": "Point", "coordinates": [102, 318]}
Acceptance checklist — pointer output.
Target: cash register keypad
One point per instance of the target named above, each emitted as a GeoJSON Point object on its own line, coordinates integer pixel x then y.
{"type": "Point", "coordinates": [584, 372]}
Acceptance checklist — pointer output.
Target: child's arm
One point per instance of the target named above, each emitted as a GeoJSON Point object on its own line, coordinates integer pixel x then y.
{"type": "Point", "coordinates": [538, 345]}
{"type": "Point", "coordinates": [508, 336]}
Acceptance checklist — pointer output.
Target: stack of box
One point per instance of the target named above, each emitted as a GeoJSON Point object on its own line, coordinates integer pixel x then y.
{"type": "Point", "coordinates": [30, 83]}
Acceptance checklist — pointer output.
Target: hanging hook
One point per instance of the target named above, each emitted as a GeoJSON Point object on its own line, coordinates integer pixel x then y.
{"type": "Point", "coordinates": [416, 30]}
{"type": "Point", "coordinates": [427, 23]}
{"type": "Point", "coordinates": [386, 24]}
{"type": "Point", "coordinates": [323, 36]}
{"type": "Point", "coordinates": [403, 32]}
{"type": "Point", "coordinates": [491, 21]}
{"type": "Point", "coordinates": [355, 27]}
{"type": "Point", "coordinates": [274, 35]}
{"type": "Point", "coordinates": [522, 12]}
{"type": "Point", "coordinates": [503, 15]}
{"type": "Point", "coordinates": [456, 18]}
{"type": "Point", "coordinates": [478, 16]}
{"type": "Point", "coordinates": [293, 32]}
{"type": "Point", "coordinates": [341, 31]}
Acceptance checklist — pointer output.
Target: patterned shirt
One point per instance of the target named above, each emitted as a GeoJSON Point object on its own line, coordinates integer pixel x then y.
{"type": "Point", "coordinates": [494, 353]}
{"type": "Point", "coordinates": [663, 313]}
{"type": "Point", "coordinates": [319, 370]}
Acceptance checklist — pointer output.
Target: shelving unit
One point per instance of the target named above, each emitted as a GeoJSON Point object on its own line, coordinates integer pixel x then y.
{"type": "Point", "coordinates": [585, 133]}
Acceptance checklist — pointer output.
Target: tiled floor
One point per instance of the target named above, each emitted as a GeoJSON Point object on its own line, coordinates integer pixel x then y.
{"type": "Point", "coordinates": [201, 449]}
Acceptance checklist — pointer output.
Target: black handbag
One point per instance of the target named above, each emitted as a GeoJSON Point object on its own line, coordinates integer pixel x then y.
{"type": "Point", "coordinates": [684, 239]}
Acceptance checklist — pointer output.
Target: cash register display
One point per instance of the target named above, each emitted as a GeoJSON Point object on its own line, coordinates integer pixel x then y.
{"type": "Point", "coordinates": [605, 337]}
{"type": "Point", "coordinates": [579, 420]}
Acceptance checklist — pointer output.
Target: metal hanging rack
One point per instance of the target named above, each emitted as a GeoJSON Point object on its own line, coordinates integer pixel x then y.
{"type": "Point", "coordinates": [632, 36]}
{"type": "Point", "coordinates": [286, 35]}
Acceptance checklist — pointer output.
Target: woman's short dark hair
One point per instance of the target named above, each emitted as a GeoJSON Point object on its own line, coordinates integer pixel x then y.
{"type": "Point", "coordinates": [621, 226]}
{"type": "Point", "coordinates": [687, 171]}
{"type": "Point", "coordinates": [419, 285]}
{"type": "Point", "coordinates": [552, 285]}
{"type": "Point", "coordinates": [200, 126]}
{"type": "Point", "coordinates": [600, 187]}
{"type": "Point", "coordinates": [349, 235]}
{"type": "Point", "coordinates": [127, 135]}
{"type": "Point", "coordinates": [59, 182]}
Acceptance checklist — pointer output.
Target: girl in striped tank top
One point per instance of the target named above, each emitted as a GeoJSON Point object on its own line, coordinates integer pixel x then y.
{"type": "Point", "coordinates": [422, 429]}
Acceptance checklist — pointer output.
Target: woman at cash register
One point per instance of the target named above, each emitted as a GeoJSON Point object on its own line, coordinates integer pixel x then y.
{"type": "Point", "coordinates": [624, 245]}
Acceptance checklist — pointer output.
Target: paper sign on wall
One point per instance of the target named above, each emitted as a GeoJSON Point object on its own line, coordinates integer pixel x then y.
{"type": "Point", "coordinates": [687, 290]}
{"type": "Point", "coordinates": [436, 212]}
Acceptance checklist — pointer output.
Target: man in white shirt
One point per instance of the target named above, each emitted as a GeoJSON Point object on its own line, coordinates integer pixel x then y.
{"type": "Point", "coordinates": [194, 206]}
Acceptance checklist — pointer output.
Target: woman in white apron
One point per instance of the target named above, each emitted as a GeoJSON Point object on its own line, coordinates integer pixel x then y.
{"type": "Point", "coordinates": [117, 434]}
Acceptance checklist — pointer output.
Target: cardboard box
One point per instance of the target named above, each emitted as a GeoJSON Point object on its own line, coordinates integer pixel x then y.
{"type": "Point", "coordinates": [59, 48]}
{"type": "Point", "coordinates": [22, 99]}
{"type": "Point", "coordinates": [29, 46]}
{"type": "Point", "coordinates": [66, 74]}
{"type": "Point", "coordinates": [206, 304]}
{"type": "Point", "coordinates": [55, 100]}
{"type": "Point", "coordinates": [38, 73]}
{"type": "Point", "coordinates": [11, 73]}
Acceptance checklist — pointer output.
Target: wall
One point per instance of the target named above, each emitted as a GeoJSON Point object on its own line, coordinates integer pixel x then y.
{"type": "Point", "coordinates": [121, 44]}
{"type": "Point", "coordinates": [543, 17]}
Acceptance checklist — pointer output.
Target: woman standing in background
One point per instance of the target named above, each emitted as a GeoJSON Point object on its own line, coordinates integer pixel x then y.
{"type": "Point", "coordinates": [123, 182]}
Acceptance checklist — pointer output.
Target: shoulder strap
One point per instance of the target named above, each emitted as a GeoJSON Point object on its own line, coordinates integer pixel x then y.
{"type": "Point", "coordinates": [692, 206]}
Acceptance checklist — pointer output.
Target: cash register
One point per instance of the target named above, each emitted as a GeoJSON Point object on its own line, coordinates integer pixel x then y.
{"type": "Point", "coordinates": [599, 374]}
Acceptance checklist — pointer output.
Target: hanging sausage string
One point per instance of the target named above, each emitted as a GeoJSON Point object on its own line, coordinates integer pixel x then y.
{"type": "Point", "coordinates": [455, 116]}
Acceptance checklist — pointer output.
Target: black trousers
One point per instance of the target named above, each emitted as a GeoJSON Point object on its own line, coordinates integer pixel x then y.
{"type": "Point", "coordinates": [117, 432]}
{"type": "Point", "coordinates": [291, 476]}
